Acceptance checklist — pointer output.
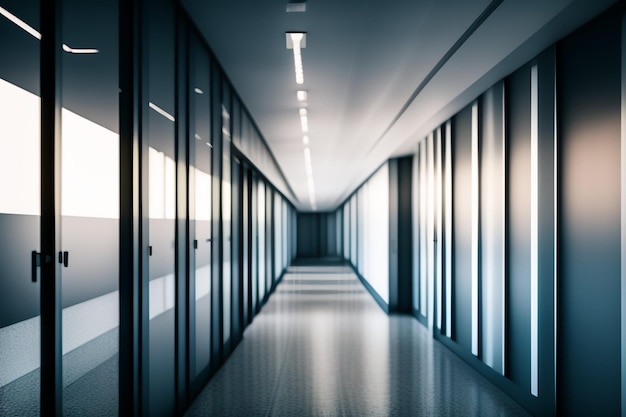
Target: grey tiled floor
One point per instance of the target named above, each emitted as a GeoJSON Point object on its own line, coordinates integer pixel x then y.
{"type": "Point", "coordinates": [322, 347]}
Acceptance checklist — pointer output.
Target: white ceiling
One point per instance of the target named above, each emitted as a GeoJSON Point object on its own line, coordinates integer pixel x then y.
{"type": "Point", "coordinates": [362, 63]}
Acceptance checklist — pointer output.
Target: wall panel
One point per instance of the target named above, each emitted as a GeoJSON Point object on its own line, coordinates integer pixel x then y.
{"type": "Point", "coordinates": [589, 339]}
{"type": "Point", "coordinates": [492, 233]}
{"type": "Point", "coordinates": [462, 232]}
{"type": "Point", "coordinates": [518, 227]}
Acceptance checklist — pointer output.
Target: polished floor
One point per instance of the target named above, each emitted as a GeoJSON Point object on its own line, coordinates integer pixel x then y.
{"type": "Point", "coordinates": [322, 346]}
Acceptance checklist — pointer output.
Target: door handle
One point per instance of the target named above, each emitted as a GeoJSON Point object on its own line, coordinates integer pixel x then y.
{"type": "Point", "coordinates": [195, 244]}
{"type": "Point", "coordinates": [63, 258]}
{"type": "Point", "coordinates": [35, 262]}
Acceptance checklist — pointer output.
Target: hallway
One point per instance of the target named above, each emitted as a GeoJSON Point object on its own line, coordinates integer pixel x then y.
{"type": "Point", "coordinates": [323, 347]}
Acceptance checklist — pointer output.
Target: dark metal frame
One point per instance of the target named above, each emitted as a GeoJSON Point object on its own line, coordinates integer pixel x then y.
{"type": "Point", "coordinates": [132, 88]}
{"type": "Point", "coordinates": [182, 243]}
{"type": "Point", "coordinates": [50, 290]}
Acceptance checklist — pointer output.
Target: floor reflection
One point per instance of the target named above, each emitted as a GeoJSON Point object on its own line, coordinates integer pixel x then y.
{"type": "Point", "coordinates": [323, 347]}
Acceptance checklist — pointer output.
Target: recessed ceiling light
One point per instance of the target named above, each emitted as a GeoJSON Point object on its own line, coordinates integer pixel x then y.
{"type": "Point", "coordinates": [296, 6]}
{"type": "Point", "coordinates": [296, 41]}
{"type": "Point", "coordinates": [198, 91]}
{"type": "Point", "coordinates": [305, 139]}
{"type": "Point", "coordinates": [302, 95]}
{"type": "Point", "coordinates": [304, 121]}
{"type": "Point", "coordinates": [198, 137]}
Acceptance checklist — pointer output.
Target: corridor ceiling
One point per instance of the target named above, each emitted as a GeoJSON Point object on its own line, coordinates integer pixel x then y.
{"type": "Point", "coordinates": [380, 75]}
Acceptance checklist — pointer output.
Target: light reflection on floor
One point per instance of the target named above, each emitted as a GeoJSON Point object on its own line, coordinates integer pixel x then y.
{"type": "Point", "coordinates": [323, 347]}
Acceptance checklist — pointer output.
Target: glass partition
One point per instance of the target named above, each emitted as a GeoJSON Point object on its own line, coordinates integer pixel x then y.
{"type": "Point", "coordinates": [90, 207]}
{"type": "Point", "coordinates": [226, 216]}
{"type": "Point", "coordinates": [20, 207]}
{"type": "Point", "coordinates": [161, 207]}
{"type": "Point", "coordinates": [200, 203]}
{"type": "Point", "coordinates": [261, 238]}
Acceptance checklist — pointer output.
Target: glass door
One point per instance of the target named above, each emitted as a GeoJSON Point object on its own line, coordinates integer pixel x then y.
{"type": "Point", "coordinates": [160, 211]}
{"type": "Point", "coordinates": [90, 208]}
{"type": "Point", "coordinates": [200, 204]}
{"type": "Point", "coordinates": [20, 208]}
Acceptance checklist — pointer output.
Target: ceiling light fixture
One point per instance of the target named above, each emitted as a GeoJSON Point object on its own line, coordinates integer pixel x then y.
{"type": "Point", "coordinates": [198, 91]}
{"type": "Point", "coordinates": [295, 6]}
{"type": "Point", "coordinates": [305, 139]}
{"type": "Point", "coordinates": [162, 112]}
{"type": "Point", "coordinates": [302, 95]}
{"type": "Point", "coordinates": [198, 137]}
{"type": "Point", "coordinates": [309, 175]}
{"type": "Point", "coordinates": [296, 41]}
{"type": "Point", "coordinates": [79, 50]}
{"type": "Point", "coordinates": [35, 34]}
{"type": "Point", "coordinates": [304, 122]}
{"type": "Point", "coordinates": [20, 23]}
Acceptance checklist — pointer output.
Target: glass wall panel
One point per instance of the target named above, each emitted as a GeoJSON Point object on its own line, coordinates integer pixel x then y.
{"type": "Point", "coordinates": [353, 230]}
{"type": "Point", "coordinates": [226, 213]}
{"type": "Point", "coordinates": [261, 238]}
{"type": "Point", "coordinates": [285, 234]}
{"type": "Point", "coordinates": [20, 207]}
{"type": "Point", "coordinates": [278, 236]}
{"type": "Point", "coordinates": [376, 229]}
{"type": "Point", "coordinates": [200, 203]}
{"type": "Point", "coordinates": [236, 263]}
{"type": "Point", "coordinates": [90, 207]}
{"type": "Point", "coordinates": [269, 261]}
{"type": "Point", "coordinates": [339, 232]}
{"type": "Point", "coordinates": [254, 240]}
{"type": "Point", "coordinates": [245, 236]}
{"type": "Point", "coordinates": [417, 236]}
{"type": "Point", "coordinates": [346, 230]}
{"type": "Point", "coordinates": [161, 207]}
{"type": "Point", "coordinates": [362, 236]}
{"type": "Point", "coordinates": [462, 227]}
{"type": "Point", "coordinates": [424, 243]}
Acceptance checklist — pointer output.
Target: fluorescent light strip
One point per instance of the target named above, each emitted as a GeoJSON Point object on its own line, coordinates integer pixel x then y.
{"type": "Point", "coordinates": [304, 121]}
{"type": "Point", "coordinates": [302, 95]}
{"type": "Point", "coordinates": [305, 139]}
{"type": "Point", "coordinates": [161, 112]}
{"type": "Point", "coordinates": [31, 31]}
{"type": "Point", "coordinates": [534, 234]}
{"type": "Point", "coordinates": [307, 159]}
{"type": "Point", "coordinates": [309, 173]}
{"type": "Point", "coordinates": [79, 50]}
{"type": "Point", "coordinates": [20, 23]}
{"type": "Point", "coordinates": [296, 38]}
{"type": "Point", "coordinates": [475, 230]}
